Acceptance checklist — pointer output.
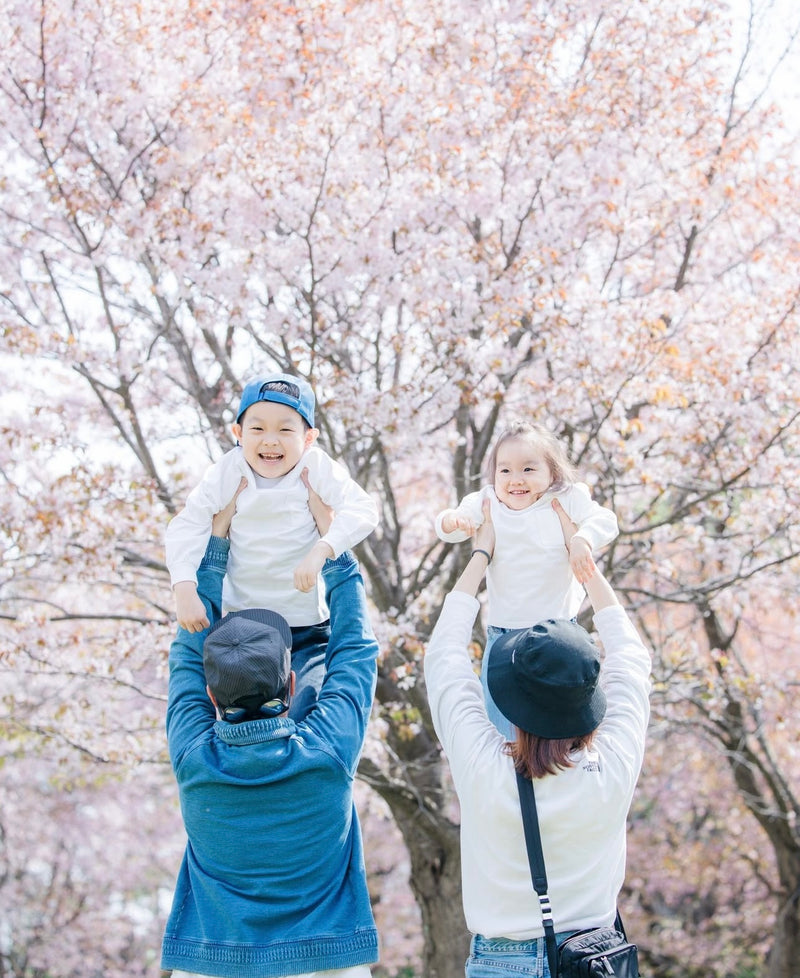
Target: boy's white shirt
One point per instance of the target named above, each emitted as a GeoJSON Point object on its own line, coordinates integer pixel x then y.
{"type": "Point", "coordinates": [582, 810]}
{"type": "Point", "coordinates": [271, 532]}
{"type": "Point", "coordinates": [529, 578]}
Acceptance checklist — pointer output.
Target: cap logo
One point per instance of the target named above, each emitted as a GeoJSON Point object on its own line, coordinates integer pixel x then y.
{"type": "Point", "coordinates": [280, 387]}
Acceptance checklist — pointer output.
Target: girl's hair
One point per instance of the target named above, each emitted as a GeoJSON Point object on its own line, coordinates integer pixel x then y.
{"type": "Point", "coordinates": [534, 757]}
{"type": "Point", "coordinates": [551, 448]}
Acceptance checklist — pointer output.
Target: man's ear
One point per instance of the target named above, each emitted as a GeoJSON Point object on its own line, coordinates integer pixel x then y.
{"type": "Point", "coordinates": [311, 436]}
{"type": "Point", "coordinates": [212, 698]}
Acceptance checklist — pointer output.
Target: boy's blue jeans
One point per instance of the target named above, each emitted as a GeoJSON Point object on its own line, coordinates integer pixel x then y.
{"type": "Point", "coordinates": [495, 957]}
{"type": "Point", "coordinates": [309, 645]}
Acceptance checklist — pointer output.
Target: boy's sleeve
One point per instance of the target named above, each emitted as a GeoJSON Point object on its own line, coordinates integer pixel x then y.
{"type": "Point", "coordinates": [470, 506]}
{"type": "Point", "coordinates": [355, 511]}
{"type": "Point", "coordinates": [343, 706]}
{"type": "Point", "coordinates": [188, 532]}
{"type": "Point", "coordinates": [596, 524]}
{"type": "Point", "coordinates": [189, 710]}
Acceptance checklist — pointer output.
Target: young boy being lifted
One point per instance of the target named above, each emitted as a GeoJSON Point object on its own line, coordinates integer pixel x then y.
{"type": "Point", "coordinates": [276, 551]}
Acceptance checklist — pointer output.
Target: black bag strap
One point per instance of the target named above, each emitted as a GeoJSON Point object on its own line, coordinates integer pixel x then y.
{"type": "Point", "coordinates": [533, 843]}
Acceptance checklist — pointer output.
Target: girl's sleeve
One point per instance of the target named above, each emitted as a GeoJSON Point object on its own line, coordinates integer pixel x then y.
{"type": "Point", "coordinates": [596, 524]}
{"type": "Point", "coordinates": [470, 506]}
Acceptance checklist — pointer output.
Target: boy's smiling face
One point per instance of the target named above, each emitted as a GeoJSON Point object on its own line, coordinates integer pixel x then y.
{"type": "Point", "coordinates": [273, 438]}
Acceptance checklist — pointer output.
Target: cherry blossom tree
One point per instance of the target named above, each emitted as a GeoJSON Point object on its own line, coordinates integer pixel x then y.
{"type": "Point", "coordinates": [582, 214]}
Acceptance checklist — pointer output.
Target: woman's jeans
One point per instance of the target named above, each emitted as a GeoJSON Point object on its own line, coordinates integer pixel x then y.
{"type": "Point", "coordinates": [493, 957]}
{"type": "Point", "coordinates": [493, 632]}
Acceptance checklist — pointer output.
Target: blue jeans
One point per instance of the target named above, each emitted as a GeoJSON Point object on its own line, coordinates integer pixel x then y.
{"type": "Point", "coordinates": [493, 632]}
{"type": "Point", "coordinates": [309, 645]}
{"type": "Point", "coordinates": [495, 957]}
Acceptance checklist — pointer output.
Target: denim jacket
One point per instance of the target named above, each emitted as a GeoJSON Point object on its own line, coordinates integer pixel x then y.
{"type": "Point", "coordinates": [272, 881]}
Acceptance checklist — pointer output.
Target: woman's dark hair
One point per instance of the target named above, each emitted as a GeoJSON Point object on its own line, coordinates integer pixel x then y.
{"type": "Point", "coordinates": [545, 441]}
{"type": "Point", "coordinates": [534, 757]}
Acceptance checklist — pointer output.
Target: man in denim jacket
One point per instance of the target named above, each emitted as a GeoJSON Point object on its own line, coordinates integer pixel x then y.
{"type": "Point", "coordinates": [272, 882]}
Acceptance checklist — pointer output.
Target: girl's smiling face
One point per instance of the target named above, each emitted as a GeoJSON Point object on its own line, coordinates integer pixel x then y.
{"type": "Point", "coordinates": [522, 474]}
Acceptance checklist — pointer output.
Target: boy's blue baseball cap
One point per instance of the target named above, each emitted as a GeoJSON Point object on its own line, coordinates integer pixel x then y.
{"type": "Point", "coordinates": [283, 389]}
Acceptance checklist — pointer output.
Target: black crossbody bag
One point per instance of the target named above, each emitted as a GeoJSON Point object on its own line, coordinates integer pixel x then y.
{"type": "Point", "coordinates": [596, 953]}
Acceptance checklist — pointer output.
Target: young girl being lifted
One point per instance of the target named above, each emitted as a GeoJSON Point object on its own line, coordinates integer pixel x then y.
{"type": "Point", "coordinates": [531, 577]}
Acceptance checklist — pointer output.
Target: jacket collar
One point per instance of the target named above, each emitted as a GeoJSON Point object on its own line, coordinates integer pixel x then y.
{"type": "Point", "coordinates": [254, 731]}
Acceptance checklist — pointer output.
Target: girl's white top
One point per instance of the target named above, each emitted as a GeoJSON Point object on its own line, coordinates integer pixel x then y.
{"type": "Point", "coordinates": [271, 532]}
{"type": "Point", "coordinates": [529, 578]}
{"type": "Point", "coordinates": [582, 810]}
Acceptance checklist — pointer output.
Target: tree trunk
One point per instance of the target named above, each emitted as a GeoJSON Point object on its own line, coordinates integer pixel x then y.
{"type": "Point", "coordinates": [765, 792]}
{"type": "Point", "coordinates": [784, 955]}
{"type": "Point", "coordinates": [435, 856]}
{"type": "Point", "coordinates": [432, 839]}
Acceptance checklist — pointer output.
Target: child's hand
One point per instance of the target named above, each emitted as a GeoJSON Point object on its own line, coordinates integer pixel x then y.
{"type": "Point", "coordinates": [221, 521]}
{"type": "Point", "coordinates": [579, 550]}
{"type": "Point", "coordinates": [568, 528]}
{"type": "Point", "coordinates": [580, 559]}
{"type": "Point", "coordinates": [323, 514]}
{"type": "Point", "coordinates": [189, 609]}
{"type": "Point", "coordinates": [307, 571]}
{"type": "Point", "coordinates": [452, 522]}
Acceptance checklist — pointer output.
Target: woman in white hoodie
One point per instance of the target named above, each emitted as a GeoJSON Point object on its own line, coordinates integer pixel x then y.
{"type": "Point", "coordinates": [578, 733]}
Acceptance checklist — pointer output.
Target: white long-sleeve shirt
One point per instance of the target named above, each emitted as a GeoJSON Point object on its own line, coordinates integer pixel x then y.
{"type": "Point", "coordinates": [582, 810]}
{"type": "Point", "coordinates": [271, 531]}
{"type": "Point", "coordinates": [529, 578]}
